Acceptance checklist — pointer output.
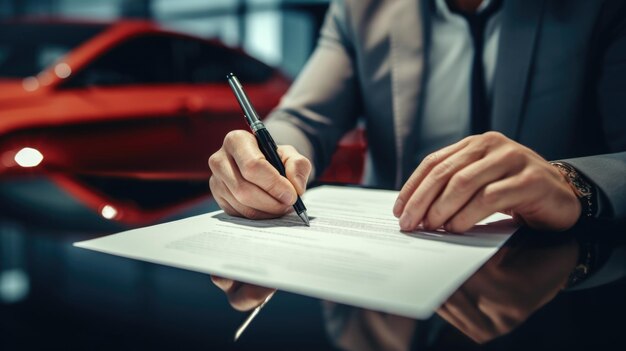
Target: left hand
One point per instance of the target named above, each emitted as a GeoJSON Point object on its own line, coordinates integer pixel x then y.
{"type": "Point", "coordinates": [460, 185]}
{"type": "Point", "coordinates": [509, 288]}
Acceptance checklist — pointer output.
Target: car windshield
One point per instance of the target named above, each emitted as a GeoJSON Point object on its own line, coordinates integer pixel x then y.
{"type": "Point", "coordinates": [27, 48]}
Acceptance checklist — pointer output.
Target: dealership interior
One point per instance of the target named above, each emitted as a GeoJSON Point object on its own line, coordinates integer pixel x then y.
{"type": "Point", "coordinates": [109, 111]}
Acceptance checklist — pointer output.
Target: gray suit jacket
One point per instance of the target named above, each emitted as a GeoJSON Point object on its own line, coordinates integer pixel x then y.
{"type": "Point", "coordinates": [560, 89]}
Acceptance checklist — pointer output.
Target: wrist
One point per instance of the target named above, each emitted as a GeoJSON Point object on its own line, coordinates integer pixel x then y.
{"type": "Point", "coordinates": [585, 263]}
{"type": "Point", "coordinates": [580, 186]}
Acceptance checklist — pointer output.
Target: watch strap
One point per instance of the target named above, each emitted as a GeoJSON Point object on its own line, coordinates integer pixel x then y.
{"type": "Point", "coordinates": [584, 265]}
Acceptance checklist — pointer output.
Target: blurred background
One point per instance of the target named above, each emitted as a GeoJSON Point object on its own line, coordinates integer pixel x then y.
{"type": "Point", "coordinates": [109, 110]}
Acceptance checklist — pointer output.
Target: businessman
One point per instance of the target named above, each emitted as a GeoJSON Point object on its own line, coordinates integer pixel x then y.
{"type": "Point", "coordinates": [465, 102]}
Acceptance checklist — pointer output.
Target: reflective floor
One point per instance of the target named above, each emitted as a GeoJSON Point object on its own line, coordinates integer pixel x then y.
{"type": "Point", "coordinates": [55, 296]}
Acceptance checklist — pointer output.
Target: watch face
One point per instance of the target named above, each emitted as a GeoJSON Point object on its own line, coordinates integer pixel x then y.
{"type": "Point", "coordinates": [583, 188]}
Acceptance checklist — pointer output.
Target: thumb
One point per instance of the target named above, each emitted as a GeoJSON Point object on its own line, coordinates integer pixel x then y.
{"type": "Point", "coordinates": [297, 167]}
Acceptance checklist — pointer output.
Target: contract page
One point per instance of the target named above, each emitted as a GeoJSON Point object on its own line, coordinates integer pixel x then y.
{"type": "Point", "coordinates": [353, 252]}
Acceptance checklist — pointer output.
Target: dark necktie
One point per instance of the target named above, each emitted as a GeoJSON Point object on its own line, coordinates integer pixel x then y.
{"type": "Point", "coordinates": [479, 124]}
{"type": "Point", "coordinates": [479, 111]}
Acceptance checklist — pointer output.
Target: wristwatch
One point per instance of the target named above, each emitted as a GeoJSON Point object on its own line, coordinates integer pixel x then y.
{"type": "Point", "coordinates": [584, 265]}
{"type": "Point", "coordinates": [583, 190]}
{"type": "Point", "coordinates": [585, 193]}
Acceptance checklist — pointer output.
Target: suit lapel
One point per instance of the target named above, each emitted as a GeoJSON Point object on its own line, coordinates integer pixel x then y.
{"type": "Point", "coordinates": [521, 20]}
{"type": "Point", "coordinates": [407, 67]}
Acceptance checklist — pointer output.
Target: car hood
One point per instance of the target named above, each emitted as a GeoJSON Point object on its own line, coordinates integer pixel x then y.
{"type": "Point", "coordinates": [13, 89]}
{"type": "Point", "coordinates": [15, 102]}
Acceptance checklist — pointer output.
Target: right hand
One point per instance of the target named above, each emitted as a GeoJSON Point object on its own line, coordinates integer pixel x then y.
{"type": "Point", "coordinates": [245, 184]}
{"type": "Point", "coordinates": [242, 296]}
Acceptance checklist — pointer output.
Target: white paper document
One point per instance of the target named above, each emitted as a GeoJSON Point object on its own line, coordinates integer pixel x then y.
{"type": "Point", "coordinates": [353, 253]}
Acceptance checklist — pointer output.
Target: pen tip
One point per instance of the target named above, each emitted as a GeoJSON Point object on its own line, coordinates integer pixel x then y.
{"type": "Point", "coordinates": [304, 218]}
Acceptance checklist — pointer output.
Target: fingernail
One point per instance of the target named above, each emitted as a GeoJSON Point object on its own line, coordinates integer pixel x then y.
{"type": "Point", "coordinates": [405, 222]}
{"type": "Point", "coordinates": [397, 207]}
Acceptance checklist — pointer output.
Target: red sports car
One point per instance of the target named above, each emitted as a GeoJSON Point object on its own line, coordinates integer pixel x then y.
{"type": "Point", "coordinates": [98, 106]}
{"type": "Point", "coordinates": [125, 99]}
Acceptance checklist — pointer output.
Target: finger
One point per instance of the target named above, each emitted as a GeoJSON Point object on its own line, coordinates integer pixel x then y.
{"type": "Point", "coordinates": [242, 296]}
{"type": "Point", "coordinates": [224, 205]}
{"type": "Point", "coordinates": [226, 170]}
{"type": "Point", "coordinates": [217, 189]}
{"type": "Point", "coordinates": [474, 323]}
{"type": "Point", "coordinates": [422, 170]}
{"type": "Point", "coordinates": [499, 304]}
{"type": "Point", "coordinates": [504, 316]}
{"type": "Point", "coordinates": [434, 182]}
{"type": "Point", "coordinates": [248, 211]}
{"type": "Point", "coordinates": [254, 168]}
{"type": "Point", "coordinates": [504, 194]}
{"type": "Point", "coordinates": [297, 167]}
{"type": "Point", "coordinates": [225, 284]}
{"type": "Point", "coordinates": [249, 296]}
{"type": "Point", "coordinates": [227, 202]}
{"type": "Point", "coordinates": [250, 194]}
{"type": "Point", "coordinates": [444, 313]}
{"type": "Point", "coordinates": [502, 324]}
{"type": "Point", "coordinates": [465, 183]}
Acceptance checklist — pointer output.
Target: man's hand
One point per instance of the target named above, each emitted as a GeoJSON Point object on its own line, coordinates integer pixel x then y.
{"type": "Point", "coordinates": [242, 296]}
{"type": "Point", "coordinates": [506, 291]}
{"type": "Point", "coordinates": [245, 184]}
{"type": "Point", "coordinates": [461, 184]}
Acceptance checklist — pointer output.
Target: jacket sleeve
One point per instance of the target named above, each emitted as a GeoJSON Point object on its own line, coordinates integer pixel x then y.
{"type": "Point", "coordinates": [323, 103]}
{"type": "Point", "coordinates": [608, 172]}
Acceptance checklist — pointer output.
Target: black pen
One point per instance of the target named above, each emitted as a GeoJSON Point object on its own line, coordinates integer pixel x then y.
{"type": "Point", "coordinates": [263, 137]}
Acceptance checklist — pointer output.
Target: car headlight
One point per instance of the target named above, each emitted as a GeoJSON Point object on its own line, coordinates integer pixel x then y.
{"type": "Point", "coordinates": [28, 157]}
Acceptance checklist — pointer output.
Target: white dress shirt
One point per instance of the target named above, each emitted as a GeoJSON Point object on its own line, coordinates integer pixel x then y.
{"type": "Point", "coordinates": [446, 110]}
